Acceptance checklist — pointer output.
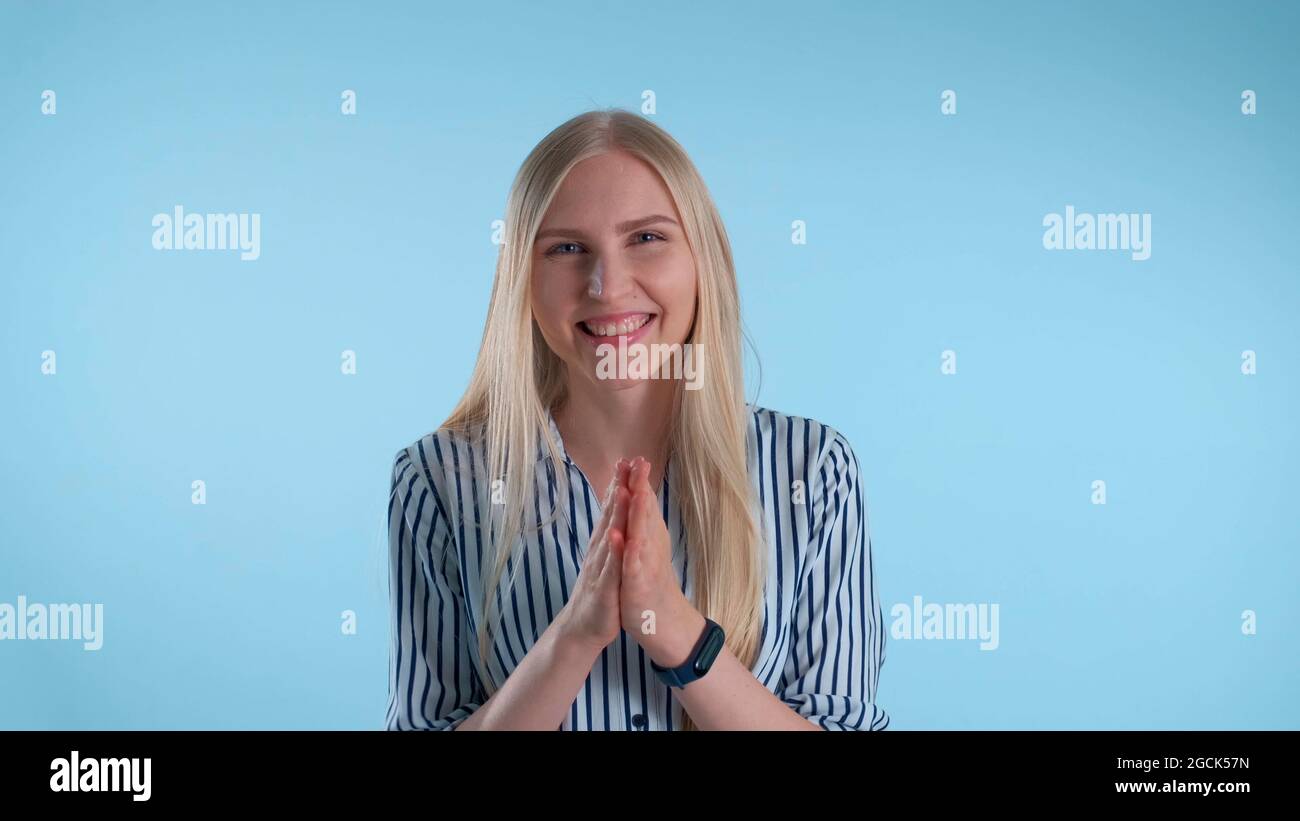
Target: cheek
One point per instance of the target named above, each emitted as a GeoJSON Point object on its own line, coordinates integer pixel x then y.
{"type": "Point", "coordinates": [679, 299]}
{"type": "Point", "coordinates": [550, 309]}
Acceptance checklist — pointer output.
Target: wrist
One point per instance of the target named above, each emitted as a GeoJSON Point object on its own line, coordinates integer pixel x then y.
{"type": "Point", "coordinates": [570, 645]}
{"type": "Point", "coordinates": [674, 643]}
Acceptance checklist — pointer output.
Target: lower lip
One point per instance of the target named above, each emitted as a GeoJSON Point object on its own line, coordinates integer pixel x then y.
{"type": "Point", "coordinates": [597, 341]}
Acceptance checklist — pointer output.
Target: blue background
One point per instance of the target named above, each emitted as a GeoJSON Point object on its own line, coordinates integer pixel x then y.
{"type": "Point", "coordinates": [924, 234]}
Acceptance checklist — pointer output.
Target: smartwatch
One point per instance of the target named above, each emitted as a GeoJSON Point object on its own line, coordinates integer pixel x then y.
{"type": "Point", "coordinates": [701, 658]}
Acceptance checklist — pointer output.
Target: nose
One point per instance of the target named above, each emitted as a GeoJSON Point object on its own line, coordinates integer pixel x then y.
{"type": "Point", "coordinates": [607, 279]}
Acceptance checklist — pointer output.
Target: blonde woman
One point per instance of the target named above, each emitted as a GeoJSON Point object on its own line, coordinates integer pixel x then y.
{"type": "Point", "coordinates": [582, 546]}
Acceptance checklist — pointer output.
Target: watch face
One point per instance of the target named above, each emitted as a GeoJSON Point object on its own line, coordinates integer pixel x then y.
{"type": "Point", "coordinates": [709, 651]}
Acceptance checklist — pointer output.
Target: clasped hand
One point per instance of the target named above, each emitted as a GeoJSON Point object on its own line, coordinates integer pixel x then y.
{"type": "Point", "coordinates": [627, 580]}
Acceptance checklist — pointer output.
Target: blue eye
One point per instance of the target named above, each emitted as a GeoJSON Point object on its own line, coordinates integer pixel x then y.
{"type": "Point", "coordinates": [561, 245]}
{"type": "Point", "coordinates": [555, 249]}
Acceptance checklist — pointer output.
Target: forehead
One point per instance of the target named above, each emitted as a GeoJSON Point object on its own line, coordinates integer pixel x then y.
{"type": "Point", "coordinates": [606, 189]}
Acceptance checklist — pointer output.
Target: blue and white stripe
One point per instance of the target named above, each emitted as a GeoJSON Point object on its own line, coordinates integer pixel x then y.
{"type": "Point", "coordinates": [822, 638]}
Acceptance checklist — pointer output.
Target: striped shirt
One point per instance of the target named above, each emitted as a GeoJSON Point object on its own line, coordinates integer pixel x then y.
{"type": "Point", "coordinates": [822, 638]}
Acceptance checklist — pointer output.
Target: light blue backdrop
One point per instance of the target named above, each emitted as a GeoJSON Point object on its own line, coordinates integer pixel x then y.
{"type": "Point", "coordinates": [924, 235]}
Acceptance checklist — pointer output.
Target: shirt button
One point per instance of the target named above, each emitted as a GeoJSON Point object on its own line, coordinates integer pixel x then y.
{"type": "Point", "coordinates": [638, 720]}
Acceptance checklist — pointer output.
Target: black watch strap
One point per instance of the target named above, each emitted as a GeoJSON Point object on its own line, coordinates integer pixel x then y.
{"type": "Point", "coordinates": [701, 659]}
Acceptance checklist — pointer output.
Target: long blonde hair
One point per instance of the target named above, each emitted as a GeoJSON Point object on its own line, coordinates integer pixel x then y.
{"type": "Point", "coordinates": [517, 378]}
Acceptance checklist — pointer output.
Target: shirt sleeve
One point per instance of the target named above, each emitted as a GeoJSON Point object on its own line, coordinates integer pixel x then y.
{"type": "Point", "coordinates": [838, 644]}
{"type": "Point", "coordinates": [432, 683]}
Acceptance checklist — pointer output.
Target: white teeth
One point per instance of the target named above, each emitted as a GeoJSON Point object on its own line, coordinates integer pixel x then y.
{"type": "Point", "coordinates": [625, 327]}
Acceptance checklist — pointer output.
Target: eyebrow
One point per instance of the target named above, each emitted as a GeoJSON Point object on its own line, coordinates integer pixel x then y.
{"type": "Point", "coordinates": [621, 228]}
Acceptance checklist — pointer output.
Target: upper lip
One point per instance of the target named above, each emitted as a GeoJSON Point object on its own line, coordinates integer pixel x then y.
{"type": "Point", "coordinates": [616, 318]}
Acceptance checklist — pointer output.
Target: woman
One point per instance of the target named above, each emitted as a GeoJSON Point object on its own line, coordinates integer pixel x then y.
{"type": "Point", "coordinates": [524, 599]}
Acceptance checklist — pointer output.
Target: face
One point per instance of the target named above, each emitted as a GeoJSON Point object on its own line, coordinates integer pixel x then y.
{"type": "Point", "coordinates": [612, 222]}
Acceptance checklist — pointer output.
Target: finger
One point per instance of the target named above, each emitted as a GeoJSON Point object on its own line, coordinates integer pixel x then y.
{"type": "Point", "coordinates": [619, 519]}
{"type": "Point", "coordinates": [619, 482]}
{"type": "Point", "coordinates": [644, 477]}
{"type": "Point", "coordinates": [612, 571]}
{"type": "Point", "coordinates": [610, 489]}
{"type": "Point", "coordinates": [654, 518]}
{"type": "Point", "coordinates": [602, 524]}
{"type": "Point", "coordinates": [631, 559]}
{"type": "Point", "coordinates": [656, 532]}
{"type": "Point", "coordinates": [639, 512]}
{"type": "Point", "coordinates": [599, 546]}
{"type": "Point", "coordinates": [613, 481]}
{"type": "Point", "coordinates": [636, 530]}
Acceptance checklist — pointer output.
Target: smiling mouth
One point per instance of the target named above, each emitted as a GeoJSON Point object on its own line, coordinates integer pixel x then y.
{"type": "Point", "coordinates": [602, 329]}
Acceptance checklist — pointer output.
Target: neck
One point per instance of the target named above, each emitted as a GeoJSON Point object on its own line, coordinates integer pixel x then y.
{"type": "Point", "coordinates": [600, 427]}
